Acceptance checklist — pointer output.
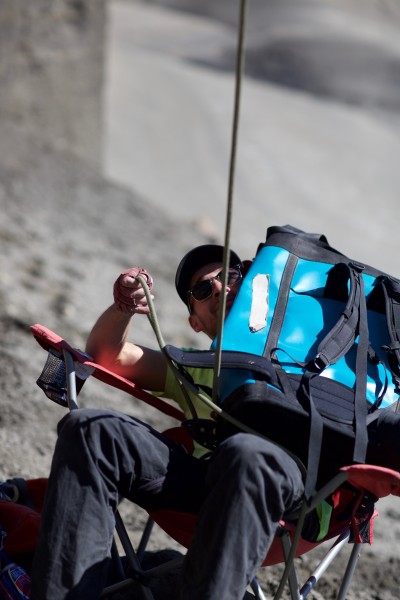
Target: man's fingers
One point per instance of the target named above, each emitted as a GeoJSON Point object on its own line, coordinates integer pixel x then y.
{"type": "Point", "coordinates": [129, 295]}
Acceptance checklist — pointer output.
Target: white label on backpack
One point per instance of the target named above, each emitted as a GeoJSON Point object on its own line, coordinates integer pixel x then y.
{"type": "Point", "coordinates": [259, 303]}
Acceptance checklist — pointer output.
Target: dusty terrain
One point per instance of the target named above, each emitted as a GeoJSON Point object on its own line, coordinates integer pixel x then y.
{"type": "Point", "coordinates": [323, 157]}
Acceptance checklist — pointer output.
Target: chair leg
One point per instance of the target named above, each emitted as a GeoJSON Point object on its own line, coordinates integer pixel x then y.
{"type": "Point", "coordinates": [145, 538]}
{"type": "Point", "coordinates": [292, 579]}
{"type": "Point", "coordinates": [136, 577]}
{"type": "Point", "coordinates": [351, 567]}
{"type": "Point", "coordinates": [117, 563]}
{"type": "Point", "coordinates": [324, 564]}
{"type": "Point", "coordinates": [258, 593]}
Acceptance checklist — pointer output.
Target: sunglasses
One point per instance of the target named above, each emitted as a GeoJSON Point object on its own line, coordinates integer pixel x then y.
{"type": "Point", "coordinates": [203, 290]}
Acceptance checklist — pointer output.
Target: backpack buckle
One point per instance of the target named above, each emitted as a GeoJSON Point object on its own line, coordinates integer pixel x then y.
{"type": "Point", "coordinates": [319, 363]}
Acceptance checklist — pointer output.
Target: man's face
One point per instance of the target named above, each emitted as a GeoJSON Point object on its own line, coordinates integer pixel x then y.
{"type": "Point", "coordinates": [204, 314]}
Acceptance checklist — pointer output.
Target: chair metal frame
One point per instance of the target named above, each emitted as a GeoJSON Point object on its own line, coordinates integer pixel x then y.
{"type": "Point", "coordinates": [135, 574]}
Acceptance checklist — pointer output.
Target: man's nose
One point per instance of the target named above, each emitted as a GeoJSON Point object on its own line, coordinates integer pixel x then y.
{"type": "Point", "coordinates": [217, 287]}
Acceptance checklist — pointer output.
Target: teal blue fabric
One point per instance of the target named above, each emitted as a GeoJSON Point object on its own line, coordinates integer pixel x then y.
{"type": "Point", "coordinates": [308, 318]}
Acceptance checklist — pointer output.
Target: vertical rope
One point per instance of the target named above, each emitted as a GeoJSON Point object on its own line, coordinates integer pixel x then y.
{"type": "Point", "coordinates": [235, 127]}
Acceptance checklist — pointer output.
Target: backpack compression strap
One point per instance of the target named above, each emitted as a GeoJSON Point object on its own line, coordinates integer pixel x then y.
{"type": "Point", "coordinates": [385, 298]}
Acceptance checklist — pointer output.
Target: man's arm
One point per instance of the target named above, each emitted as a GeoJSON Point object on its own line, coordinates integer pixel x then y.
{"type": "Point", "coordinates": [108, 341]}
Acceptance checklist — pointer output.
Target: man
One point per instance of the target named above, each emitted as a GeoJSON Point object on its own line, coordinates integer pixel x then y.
{"type": "Point", "coordinates": [239, 494]}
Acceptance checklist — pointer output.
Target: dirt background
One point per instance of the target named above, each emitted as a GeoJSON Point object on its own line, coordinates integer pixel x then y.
{"type": "Point", "coordinates": [115, 124]}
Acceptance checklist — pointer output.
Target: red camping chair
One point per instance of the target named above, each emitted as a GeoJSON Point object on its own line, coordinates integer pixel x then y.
{"type": "Point", "coordinates": [63, 376]}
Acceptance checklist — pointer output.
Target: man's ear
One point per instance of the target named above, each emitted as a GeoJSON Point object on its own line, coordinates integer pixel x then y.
{"type": "Point", "coordinates": [195, 323]}
{"type": "Point", "coordinates": [246, 264]}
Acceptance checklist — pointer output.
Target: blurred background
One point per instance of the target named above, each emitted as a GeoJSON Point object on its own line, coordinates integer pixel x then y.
{"type": "Point", "coordinates": [142, 93]}
{"type": "Point", "coordinates": [115, 138]}
{"type": "Point", "coordinates": [318, 139]}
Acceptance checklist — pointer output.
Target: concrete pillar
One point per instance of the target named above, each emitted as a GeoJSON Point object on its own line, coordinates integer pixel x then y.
{"type": "Point", "coordinates": [51, 73]}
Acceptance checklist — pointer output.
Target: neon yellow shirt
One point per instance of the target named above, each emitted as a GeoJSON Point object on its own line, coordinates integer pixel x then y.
{"type": "Point", "coordinates": [173, 391]}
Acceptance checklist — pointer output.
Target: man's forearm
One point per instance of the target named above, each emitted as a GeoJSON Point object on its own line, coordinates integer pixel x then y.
{"type": "Point", "coordinates": [108, 336]}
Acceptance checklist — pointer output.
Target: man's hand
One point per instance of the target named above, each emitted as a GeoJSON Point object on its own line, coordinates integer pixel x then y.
{"type": "Point", "coordinates": [129, 296]}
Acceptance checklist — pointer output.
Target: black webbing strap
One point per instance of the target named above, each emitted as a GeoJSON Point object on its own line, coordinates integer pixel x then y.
{"type": "Point", "coordinates": [315, 434]}
{"type": "Point", "coordinates": [231, 359]}
{"type": "Point", "coordinates": [341, 337]}
{"type": "Point", "coordinates": [352, 323]}
{"type": "Point", "coordinates": [281, 306]}
{"type": "Point", "coordinates": [339, 340]}
{"type": "Point", "coordinates": [385, 297]}
{"type": "Point", "coordinates": [360, 404]}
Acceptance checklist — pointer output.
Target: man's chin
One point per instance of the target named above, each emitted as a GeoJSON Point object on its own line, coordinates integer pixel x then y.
{"type": "Point", "coordinates": [227, 310]}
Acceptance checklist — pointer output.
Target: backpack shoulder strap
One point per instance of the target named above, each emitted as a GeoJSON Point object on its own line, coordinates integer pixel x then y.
{"type": "Point", "coordinates": [342, 336]}
{"type": "Point", "coordinates": [351, 323]}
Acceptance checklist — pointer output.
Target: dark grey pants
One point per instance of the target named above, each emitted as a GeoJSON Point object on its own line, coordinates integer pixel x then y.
{"type": "Point", "coordinates": [239, 495]}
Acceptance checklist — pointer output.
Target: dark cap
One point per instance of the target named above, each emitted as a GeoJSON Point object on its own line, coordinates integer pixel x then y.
{"type": "Point", "coordinates": [194, 260]}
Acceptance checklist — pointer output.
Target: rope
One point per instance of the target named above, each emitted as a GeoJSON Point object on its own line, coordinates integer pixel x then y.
{"type": "Point", "coordinates": [235, 128]}
{"type": "Point", "coordinates": [232, 165]}
{"type": "Point", "coordinates": [184, 383]}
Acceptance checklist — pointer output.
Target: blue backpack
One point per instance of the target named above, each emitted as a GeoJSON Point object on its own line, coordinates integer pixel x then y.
{"type": "Point", "coordinates": [311, 351]}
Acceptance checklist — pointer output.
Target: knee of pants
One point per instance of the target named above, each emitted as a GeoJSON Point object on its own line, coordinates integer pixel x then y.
{"type": "Point", "coordinates": [248, 446]}
{"type": "Point", "coordinates": [254, 466]}
{"type": "Point", "coordinates": [75, 423]}
{"type": "Point", "coordinates": [244, 450]}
